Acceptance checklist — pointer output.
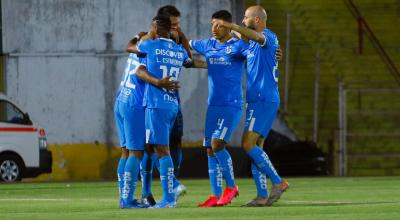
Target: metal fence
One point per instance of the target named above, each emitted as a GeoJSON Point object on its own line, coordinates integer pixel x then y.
{"type": "Point", "coordinates": [369, 115]}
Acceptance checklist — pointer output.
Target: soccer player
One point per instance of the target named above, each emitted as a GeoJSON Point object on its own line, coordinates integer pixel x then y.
{"type": "Point", "coordinates": [129, 115]}
{"type": "Point", "coordinates": [177, 129]}
{"type": "Point", "coordinates": [225, 58]}
{"type": "Point", "coordinates": [262, 100]}
{"type": "Point", "coordinates": [164, 58]}
{"type": "Point", "coordinates": [129, 118]}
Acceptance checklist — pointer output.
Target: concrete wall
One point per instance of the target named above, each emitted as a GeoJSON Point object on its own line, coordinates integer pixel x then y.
{"type": "Point", "coordinates": [64, 59]}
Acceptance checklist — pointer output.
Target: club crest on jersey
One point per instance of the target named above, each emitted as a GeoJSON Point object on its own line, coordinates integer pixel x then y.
{"type": "Point", "coordinates": [228, 49]}
{"type": "Point", "coordinates": [169, 45]}
{"type": "Point", "coordinates": [249, 54]}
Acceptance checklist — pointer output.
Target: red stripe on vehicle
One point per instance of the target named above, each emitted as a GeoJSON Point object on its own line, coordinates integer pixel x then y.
{"type": "Point", "coordinates": [18, 129]}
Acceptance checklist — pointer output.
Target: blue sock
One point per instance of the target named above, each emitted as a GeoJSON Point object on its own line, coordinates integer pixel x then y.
{"type": "Point", "coordinates": [260, 180]}
{"type": "Point", "coordinates": [214, 172]}
{"type": "Point", "coordinates": [120, 174]}
{"type": "Point", "coordinates": [147, 174]}
{"type": "Point", "coordinates": [155, 160]}
{"type": "Point", "coordinates": [132, 168]}
{"type": "Point", "coordinates": [157, 164]}
{"type": "Point", "coordinates": [225, 162]}
{"type": "Point", "coordinates": [167, 178]}
{"type": "Point", "coordinates": [263, 163]}
{"type": "Point", "coordinates": [176, 155]}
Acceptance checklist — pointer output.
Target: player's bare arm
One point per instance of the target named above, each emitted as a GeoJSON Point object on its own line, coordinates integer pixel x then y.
{"type": "Point", "coordinates": [131, 47]}
{"type": "Point", "coordinates": [247, 34]}
{"type": "Point", "coordinates": [199, 63]}
{"type": "Point", "coordinates": [132, 44]}
{"type": "Point", "coordinates": [184, 41]}
{"type": "Point", "coordinates": [165, 82]}
{"type": "Point", "coordinates": [244, 32]}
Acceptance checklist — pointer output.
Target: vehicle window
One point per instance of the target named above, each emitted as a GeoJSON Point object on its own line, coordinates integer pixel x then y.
{"type": "Point", "coordinates": [11, 114]}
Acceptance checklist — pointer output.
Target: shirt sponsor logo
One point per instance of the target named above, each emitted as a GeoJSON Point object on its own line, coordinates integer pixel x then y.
{"type": "Point", "coordinates": [169, 98]}
{"type": "Point", "coordinates": [170, 53]}
{"type": "Point", "coordinates": [219, 61]}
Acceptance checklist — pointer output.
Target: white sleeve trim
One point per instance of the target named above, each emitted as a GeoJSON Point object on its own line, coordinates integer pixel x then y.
{"type": "Point", "coordinates": [265, 41]}
{"type": "Point", "coordinates": [137, 46]}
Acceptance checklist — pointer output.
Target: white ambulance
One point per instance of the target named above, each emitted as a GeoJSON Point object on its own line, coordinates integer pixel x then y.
{"type": "Point", "coordinates": [23, 146]}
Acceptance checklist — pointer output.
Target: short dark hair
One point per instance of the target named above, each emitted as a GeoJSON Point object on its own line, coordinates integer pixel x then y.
{"type": "Point", "coordinates": [169, 10]}
{"type": "Point", "coordinates": [223, 15]}
{"type": "Point", "coordinates": [162, 22]}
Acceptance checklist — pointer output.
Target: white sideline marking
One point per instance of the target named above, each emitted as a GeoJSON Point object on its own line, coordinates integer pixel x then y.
{"type": "Point", "coordinates": [316, 202]}
{"type": "Point", "coordinates": [54, 200]}
{"type": "Point", "coordinates": [335, 202]}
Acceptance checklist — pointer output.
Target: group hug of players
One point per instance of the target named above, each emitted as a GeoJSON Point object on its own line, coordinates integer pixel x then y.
{"type": "Point", "coordinates": [148, 114]}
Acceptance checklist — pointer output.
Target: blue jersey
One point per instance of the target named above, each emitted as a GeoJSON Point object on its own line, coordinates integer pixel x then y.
{"type": "Point", "coordinates": [131, 88]}
{"type": "Point", "coordinates": [262, 69]}
{"type": "Point", "coordinates": [164, 58]}
{"type": "Point", "coordinates": [225, 68]}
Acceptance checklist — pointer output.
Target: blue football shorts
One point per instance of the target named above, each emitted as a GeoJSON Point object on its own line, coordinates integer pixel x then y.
{"type": "Point", "coordinates": [159, 122]}
{"type": "Point", "coordinates": [130, 125]}
{"type": "Point", "coordinates": [260, 116]}
{"type": "Point", "coordinates": [177, 128]}
{"type": "Point", "coordinates": [221, 122]}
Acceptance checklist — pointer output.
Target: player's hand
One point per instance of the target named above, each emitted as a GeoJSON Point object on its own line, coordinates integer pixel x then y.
{"type": "Point", "coordinates": [141, 34]}
{"type": "Point", "coordinates": [278, 54]}
{"type": "Point", "coordinates": [166, 83]}
{"type": "Point", "coordinates": [150, 35]}
{"type": "Point", "coordinates": [180, 33]}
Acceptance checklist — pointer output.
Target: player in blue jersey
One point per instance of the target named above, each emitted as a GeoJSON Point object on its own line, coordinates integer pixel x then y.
{"type": "Point", "coordinates": [262, 100]}
{"type": "Point", "coordinates": [164, 58]}
{"type": "Point", "coordinates": [129, 117]}
{"type": "Point", "coordinates": [177, 129]}
{"type": "Point", "coordinates": [225, 58]}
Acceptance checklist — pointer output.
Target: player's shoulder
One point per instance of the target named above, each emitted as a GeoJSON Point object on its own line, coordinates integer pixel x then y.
{"type": "Point", "coordinates": [146, 42]}
{"type": "Point", "coordinates": [208, 41]}
{"type": "Point", "coordinates": [269, 33]}
{"type": "Point", "coordinates": [205, 42]}
{"type": "Point", "coordinates": [180, 47]}
{"type": "Point", "coordinates": [235, 40]}
{"type": "Point", "coordinates": [171, 44]}
{"type": "Point", "coordinates": [238, 42]}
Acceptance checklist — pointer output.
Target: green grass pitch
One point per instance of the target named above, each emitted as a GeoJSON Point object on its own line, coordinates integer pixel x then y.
{"type": "Point", "coordinates": [307, 198]}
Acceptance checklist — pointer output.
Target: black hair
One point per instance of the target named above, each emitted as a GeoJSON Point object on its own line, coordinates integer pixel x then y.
{"type": "Point", "coordinates": [223, 15]}
{"type": "Point", "coordinates": [169, 10]}
{"type": "Point", "coordinates": [163, 23]}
